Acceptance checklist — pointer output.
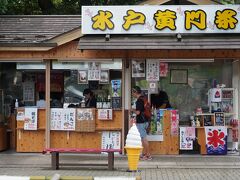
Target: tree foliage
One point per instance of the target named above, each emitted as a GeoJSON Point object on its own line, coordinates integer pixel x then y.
{"type": "Point", "coordinates": [31, 7]}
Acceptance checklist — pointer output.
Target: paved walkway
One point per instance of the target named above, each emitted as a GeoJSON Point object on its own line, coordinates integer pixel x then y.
{"type": "Point", "coordinates": [161, 167]}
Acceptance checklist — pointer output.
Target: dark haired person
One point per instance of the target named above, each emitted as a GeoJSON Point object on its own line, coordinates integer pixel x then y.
{"type": "Point", "coordinates": [90, 100]}
{"type": "Point", "coordinates": [141, 121]}
{"type": "Point", "coordinates": [160, 100]}
{"type": "Point", "coordinates": [163, 100]}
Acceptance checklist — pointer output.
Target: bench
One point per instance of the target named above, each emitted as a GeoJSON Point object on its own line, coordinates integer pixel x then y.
{"type": "Point", "coordinates": [55, 156]}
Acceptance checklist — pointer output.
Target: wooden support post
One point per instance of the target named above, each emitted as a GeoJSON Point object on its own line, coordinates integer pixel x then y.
{"type": "Point", "coordinates": [47, 95]}
{"type": "Point", "coordinates": [110, 160]}
{"type": "Point", "coordinates": [55, 160]}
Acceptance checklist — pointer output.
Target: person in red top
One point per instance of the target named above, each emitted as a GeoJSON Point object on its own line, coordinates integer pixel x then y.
{"type": "Point", "coordinates": [141, 121]}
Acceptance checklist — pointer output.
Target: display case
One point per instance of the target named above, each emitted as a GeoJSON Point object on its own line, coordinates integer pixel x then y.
{"type": "Point", "coordinates": [224, 100]}
{"type": "Point", "coordinates": [223, 109]}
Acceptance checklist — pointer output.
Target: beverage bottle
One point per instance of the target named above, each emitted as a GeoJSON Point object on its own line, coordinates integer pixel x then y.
{"type": "Point", "coordinates": [83, 103]}
{"type": "Point", "coordinates": [16, 103]}
{"type": "Point", "coordinates": [109, 101]}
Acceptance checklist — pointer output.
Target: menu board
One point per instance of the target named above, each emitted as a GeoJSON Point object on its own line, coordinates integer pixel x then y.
{"type": "Point", "coordinates": [94, 69]}
{"type": "Point", "coordinates": [111, 140]}
{"type": "Point", "coordinates": [152, 70]}
{"type": "Point", "coordinates": [105, 114]}
{"type": "Point", "coordinates": [28, 91]}
{"type": "Point", "coordinates": [63, 119]}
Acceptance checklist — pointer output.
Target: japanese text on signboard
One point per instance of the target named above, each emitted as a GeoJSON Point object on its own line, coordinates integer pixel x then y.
{"type": "Point", "coordinates": [160, 19]}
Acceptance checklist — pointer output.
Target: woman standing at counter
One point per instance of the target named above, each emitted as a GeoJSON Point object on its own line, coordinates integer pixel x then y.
{"type": "Point", "coordinates": [90, 100]}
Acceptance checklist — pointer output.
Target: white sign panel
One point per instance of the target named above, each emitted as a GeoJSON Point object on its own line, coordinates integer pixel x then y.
{"type": "Point", "coordinates": [63, 119]}
{"type": "Point", "coordinates": [111, 140]}
{"type": "Point", "coordinates": [152, 70]}
{"type": "Point", "coordinates": [186, 140]}
{"type": "Point", "coordinates": [105, 114]}
{"type": "Point", "coordinates": [30, 119]}
{"type": "Point", "coordinates": [160, 19]}
{"type": "Point", "coordinates": [215, 95]}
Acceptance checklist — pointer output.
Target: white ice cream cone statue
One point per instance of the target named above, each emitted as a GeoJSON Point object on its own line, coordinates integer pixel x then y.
{"type": "Point", "coordinates": [133, 148]}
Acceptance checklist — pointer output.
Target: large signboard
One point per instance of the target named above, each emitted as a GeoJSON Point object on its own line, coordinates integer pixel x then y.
{"type": "Point", "coordinates": [160, 19]}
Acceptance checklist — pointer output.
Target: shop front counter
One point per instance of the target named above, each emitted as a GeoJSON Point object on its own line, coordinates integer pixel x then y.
{"type": "Point", "coordinates": [167, 143]}
{"type": "Point", "coordinates": [85, 134]}
{"type": "Point", "coordinates": [3, 135]}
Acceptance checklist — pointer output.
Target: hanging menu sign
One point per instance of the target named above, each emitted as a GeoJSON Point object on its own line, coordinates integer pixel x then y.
{"type": "Point", "coordinates": [28, 91]}
{"type": "Point", "coordinates": [152, 70]}
{"type": "Point", "coordinates": [94, 71]}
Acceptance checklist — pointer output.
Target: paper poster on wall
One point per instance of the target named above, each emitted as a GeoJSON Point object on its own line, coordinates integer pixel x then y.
{"type": "Point", "coordinates": [215, 95]}
{"type": "Point", "coordinates": [104, 76]}
{"type": "Point", "coordinates": [56, 118]}
{"type": "Point", "coordinates": [69, 119]}
{"type": "Point", "coordinates": [85, 114]}
{"type": "Point", "coordinates": [20, 115]}
{"type": "Point", "coordinates": [219, 119]}
{"type": "Point", "coordinates": [153, 87]}
{"type": "Point", "coordinates": [105, 114]}
{"type": "Point", "coordinates": [234, 123]}
{"type": "Point", "coordinates": [28, 91]}
{"type": "Point", "coordinates": [116, 88]}
{"type": "Point", "coordinates": [174, 122]}
{"type": "Point", "coordinates": [63, 119]}
{"type": "Point", "coordinates": [30, 119]}
{"type": "Point", "coordinates": [116, 102]}
{"type": "Point", "coordinates": [163, 69]}
{"type": "Point", "coordinates": [111, 140]}
{"type": "Point", "coordinates": [138, 68]}
{"type": "Point", "coordinates": [187, 134]}
{"type": "Point", "coordinates": [94, 69]}
{"type": "Point", "coordinates": [216, 140]}
{"type": "Point", "coordinates": [156, 126]}
{"type": "Point", "coordinates": [152, 70]}
{"type": "Point", "coordinates": [82, 76]}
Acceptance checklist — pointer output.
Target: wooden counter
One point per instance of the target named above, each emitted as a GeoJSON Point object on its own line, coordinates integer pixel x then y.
{"type": "Point", "coordinates": [170, 144]}
{"type": "Point", "coordinates": [3, 136]}
{"type": "Point", "coordinates": [34, 141]}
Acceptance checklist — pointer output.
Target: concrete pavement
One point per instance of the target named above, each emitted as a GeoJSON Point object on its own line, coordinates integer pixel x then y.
{"type": "Point", "coordinates": [160, 167]}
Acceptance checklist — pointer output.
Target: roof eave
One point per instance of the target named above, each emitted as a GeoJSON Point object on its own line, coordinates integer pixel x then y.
{"type": "Point", "coordinates": [129, 42]}
{"type": "Point", "coordinates": [66, 37]}
{"type": "Point", "coordinates": [26, 46]}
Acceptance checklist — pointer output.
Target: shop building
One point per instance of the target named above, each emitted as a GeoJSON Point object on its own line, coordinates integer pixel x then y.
{"type": "Point", "coordinates": [62, 62]}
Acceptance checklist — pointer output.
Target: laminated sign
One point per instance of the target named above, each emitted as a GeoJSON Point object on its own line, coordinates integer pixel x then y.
{"type": "Point", "coordinates": [30, 119]}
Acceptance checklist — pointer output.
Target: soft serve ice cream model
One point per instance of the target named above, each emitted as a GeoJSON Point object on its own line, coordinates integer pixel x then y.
{"type": "Point", "coordinates": [133, 137]}
{"type": "Point", "coordinates": [133, 147]}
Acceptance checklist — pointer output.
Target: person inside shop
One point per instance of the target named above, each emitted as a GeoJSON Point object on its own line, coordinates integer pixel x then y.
{"type": "Point", "coordinates": [141, 122]}
{"type": "Point", "coordinates": [55, 101]}
{"type": "Point", "coordinates": [41, 103]}
{"type": "Point", "coordinates": [90, 100]}
{"type": "Point", "coordinates": [160, 100]}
